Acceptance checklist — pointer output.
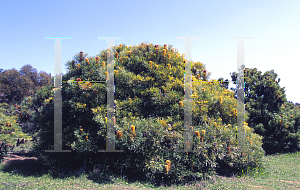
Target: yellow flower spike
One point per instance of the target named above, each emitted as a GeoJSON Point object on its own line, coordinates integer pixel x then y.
{"type": "Point", "coordinates": [106, 119]}
{"type": "Point", "coordinates": [221, 100]}
{"type": "Point", "coordinates": [169, 65]}
{"type": "Point", "coordinates": [203, 132]}
{"type": "Point", "coordinates": [81, 131]}
{"type": "Point", "coordinates": [164, 52]}
{"type": "Point", "coordinates": [129, 47]}
{"type": "Point", "coordinates": [229, 125]}
{"type": "Point", "coordinates": [103, 64]}
{"type": "Point", "coordinates": [86, 137]}
{"type": "Point", "coordinates": [116, 72]}
{"type": "Point", "coordinates": [167, 169]}
{"type": "Point", "coordinates": [168, 162]}
{"type": "Point", "coordinates": [133, 128]}
{"type": "Point", "coordinates": [291, 116]}
{"type": "Point", "coordinates": [198, 76]}
{"type": "Point", "coordinates": [151, 63]}
{"type": "Point", "coordinates": [287, 126]}
{"type": "Point", "coordinates": [197, 133]}
{"type": "Point", "coordinates": [203, 90]}
{"type": "Point", "coordinates": [87, 60]}
{"type": "Point", "coordinates": [156, 66]}
{"type": "Point", "coordinates": [251, 142]}
{"type": "Point", "coordinates": [248, 138]}
{"type": "Point", "coordinates": [181, 103]}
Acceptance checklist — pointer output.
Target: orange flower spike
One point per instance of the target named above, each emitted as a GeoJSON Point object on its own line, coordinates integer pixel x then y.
{"type": "Point", "coordinates": [169, 66]}
{"type": "Point", "coordinates": [86, 137]}
{"type": "Point", "coordinates": [120, 45]}
{"type": "Point", "coordinates": [165, 46]}
{"type": "Point", "coordinates": [81, 131]}
{"type": "Point", "coordinates": [126, 46]}
{"type": "Point", "coordinates": [181, 104]}
{"type": "Point", "coordinates": [164, 52]}
{"type": "Point", "coordinates": [116, 71]}
{"type": "Point", "coordinates": [87, 61]}
{"type": "Point", "coordinates": [221, 100]}
{"type": "Point", "coordinates": [203, 90]}
{"type": "Point", "coordinates": [119, 135]}
{"type": "Point", "coordinates": [151, 63]}
{"type": "Point", "coordinates": [116, 55]}
{"type": "Point", "coordinates": [133, 128]}
{"type": "Point", "coordinates": [197, 133]}
{"type": "Point", "coordinates": [103, 64]}
{"type": "Point", "coordinates": [168, 162]}
{"type": "Point", "coordinates": [198, 76]}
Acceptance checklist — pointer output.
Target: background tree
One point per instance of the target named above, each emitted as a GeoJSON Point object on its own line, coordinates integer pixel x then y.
{"type": "Point", "coordinates": [269, 114]}
{"type": "Point", "coordinates": [18, 84]}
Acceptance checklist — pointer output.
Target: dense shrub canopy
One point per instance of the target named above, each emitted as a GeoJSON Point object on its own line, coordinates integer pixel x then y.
{"type": "Point", "coordinates": [149, 114]}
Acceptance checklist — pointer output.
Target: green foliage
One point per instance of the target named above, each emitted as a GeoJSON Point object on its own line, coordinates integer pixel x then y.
{"type": "Point", "coordinates": [269, 112]}
{"type": "Point", "coordinates": [9, 129]}
{"type": "Point", "coordinates": [149, 92]}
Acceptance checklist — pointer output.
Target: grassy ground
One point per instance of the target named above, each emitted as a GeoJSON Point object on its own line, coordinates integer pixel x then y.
{"type": "Point", "coordinates": [282, 172]}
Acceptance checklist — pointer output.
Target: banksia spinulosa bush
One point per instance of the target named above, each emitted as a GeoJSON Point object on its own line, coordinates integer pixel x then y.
{"type": "Point", "coordinates": [151, 63]}
{"type": "Point", "coordinates": [119, 135]}
{"type": "Point", "coordinates": [97, 60]}
{"type": "Point", "coordinates": [221, 100]}
{"type": "Point", "coordinates": [133, 128]}
{"type": "Point", "coordinates": [116, 55]}
{"type": "Point", "coordinates": [87, 61]}
{"type": "Point", "coordinates": [197, 133]}
{"type": "Point", "coordinates": [164, 52]}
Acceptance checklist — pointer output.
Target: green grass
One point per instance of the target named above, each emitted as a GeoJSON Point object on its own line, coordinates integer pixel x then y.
{"type": "Point", "coordinates": [281, 172]}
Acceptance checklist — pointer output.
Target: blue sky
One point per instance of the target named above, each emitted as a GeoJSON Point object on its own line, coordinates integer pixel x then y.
{"type": "Point", "coordinates": [273, 25]}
